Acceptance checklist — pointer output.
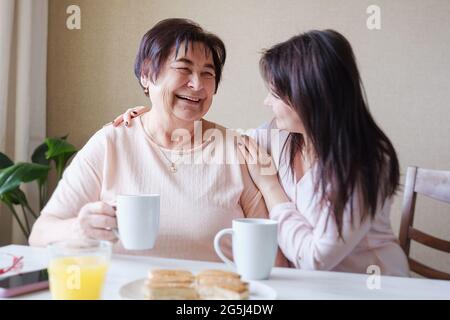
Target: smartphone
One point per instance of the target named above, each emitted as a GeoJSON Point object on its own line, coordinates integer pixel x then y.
{"type": "Point", "coordinates": [21, 283]}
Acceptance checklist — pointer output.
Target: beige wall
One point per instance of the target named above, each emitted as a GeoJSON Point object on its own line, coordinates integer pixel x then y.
{"type": "Point", "coordinates": [405, 67]}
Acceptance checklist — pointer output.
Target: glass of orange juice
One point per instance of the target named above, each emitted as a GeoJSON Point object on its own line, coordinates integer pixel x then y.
{"type": "Point", "coordinates": [77, 269]}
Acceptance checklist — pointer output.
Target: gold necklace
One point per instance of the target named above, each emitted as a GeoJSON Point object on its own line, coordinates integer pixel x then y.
{"type": "Point", "coordinates": [172, 167]}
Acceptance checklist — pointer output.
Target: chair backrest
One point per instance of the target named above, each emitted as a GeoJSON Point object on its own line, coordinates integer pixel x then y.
{"type": "Point", "coordinates": [434, 184]}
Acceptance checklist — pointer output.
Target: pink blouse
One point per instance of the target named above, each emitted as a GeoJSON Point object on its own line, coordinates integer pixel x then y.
{"type": "Point", "coordinates": [310, 240]}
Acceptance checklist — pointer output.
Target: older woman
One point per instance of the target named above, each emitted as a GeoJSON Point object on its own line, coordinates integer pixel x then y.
{"type": "Point", "coordinates": [179, 67]}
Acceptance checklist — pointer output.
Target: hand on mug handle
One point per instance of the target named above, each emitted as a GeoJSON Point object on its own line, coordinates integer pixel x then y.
{"type": "Point", "coordinates": [219, 252]}
{"type": "Point", "coordinates": [95, 221]}
{"type": "Point", "coordinates": [115, 230]}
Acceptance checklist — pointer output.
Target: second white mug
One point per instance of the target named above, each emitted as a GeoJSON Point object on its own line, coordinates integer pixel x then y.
{"type": "Point", "coordinates": [254, 245]}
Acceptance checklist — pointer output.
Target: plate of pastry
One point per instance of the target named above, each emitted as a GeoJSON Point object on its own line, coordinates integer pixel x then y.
{"type": "Point", "coordinates": [171, 284]}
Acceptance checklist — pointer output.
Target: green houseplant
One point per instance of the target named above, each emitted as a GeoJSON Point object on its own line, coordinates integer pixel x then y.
{"type": "Point", "coordinates": [56, 151]}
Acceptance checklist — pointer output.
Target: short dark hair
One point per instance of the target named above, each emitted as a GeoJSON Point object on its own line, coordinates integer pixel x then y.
{"type": "Point", "coordinates": [158, 42]}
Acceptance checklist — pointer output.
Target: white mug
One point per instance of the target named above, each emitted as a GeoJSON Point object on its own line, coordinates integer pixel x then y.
{"type": "Point", "coordinates": [254, 245]}
{"type": "Point", "coordinates": [138, 220]}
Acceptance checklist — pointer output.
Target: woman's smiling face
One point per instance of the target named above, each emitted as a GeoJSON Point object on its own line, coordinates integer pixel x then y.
{"type": "Point", "coordinates": [285, 116]}
{"type": "Point", "coordinates": [186, 84]}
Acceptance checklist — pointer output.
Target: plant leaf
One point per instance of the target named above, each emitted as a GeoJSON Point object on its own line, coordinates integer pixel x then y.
{"type": "Point", "coordinates": [5, 161]}
{"type": "Point", "coordinates": [57, 147]}
{"type": "Point", "coordinates": [15, 196]}
{"type": "Point", "coordinates": [39, 155]}
{"type": "Point", "coordinates": [12, 177]}
{"type": "Point", "coordinates": [60, 151]}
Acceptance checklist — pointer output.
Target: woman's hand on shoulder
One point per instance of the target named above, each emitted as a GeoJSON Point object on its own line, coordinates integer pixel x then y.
{"type": "Point", "coordinates": [259, 163]}
{"type": "Point", "coordinates": [263, 171]}
{"type": "Point", "coordinates": [129, 115]}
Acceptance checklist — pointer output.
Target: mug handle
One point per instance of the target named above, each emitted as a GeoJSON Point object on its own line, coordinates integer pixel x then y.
{"type": "Point", "coordinates": [116, 232]}
{"type": "Point", "coordinates": [219, 252]}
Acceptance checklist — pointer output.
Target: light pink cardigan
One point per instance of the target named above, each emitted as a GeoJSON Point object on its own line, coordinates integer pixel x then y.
{"type": "Point", "coordinates": [310, 240]}
{"type": "Point", "coordinates": [199, 200]}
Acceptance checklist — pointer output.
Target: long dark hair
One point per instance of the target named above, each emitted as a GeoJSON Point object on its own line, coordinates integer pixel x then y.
{"type": "Point", "coordinates": [316, 74]}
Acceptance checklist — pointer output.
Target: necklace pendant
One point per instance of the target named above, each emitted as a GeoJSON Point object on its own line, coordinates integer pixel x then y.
{"type": "Point", "coordinates": [172, 168]}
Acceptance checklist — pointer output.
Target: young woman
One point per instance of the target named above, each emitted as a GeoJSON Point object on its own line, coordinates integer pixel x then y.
{"type": "Point", "coordinates": [337, 170]}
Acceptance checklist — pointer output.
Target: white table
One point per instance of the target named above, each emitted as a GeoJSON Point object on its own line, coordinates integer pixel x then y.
{"type": "Point", "coordinates": [289, 283]}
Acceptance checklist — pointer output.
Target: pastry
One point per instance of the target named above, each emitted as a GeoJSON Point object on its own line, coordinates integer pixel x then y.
{"type": "Point", "coordinates": [221, 285]}
{"type": "Point", "coordinates": [170, 285]}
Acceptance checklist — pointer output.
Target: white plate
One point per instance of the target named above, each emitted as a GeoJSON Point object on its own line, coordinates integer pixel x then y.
{"type": "Point", "coordinates": [134, 290]}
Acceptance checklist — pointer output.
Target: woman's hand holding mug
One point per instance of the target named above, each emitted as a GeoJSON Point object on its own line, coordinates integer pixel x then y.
{"type": "Point", "coordinates": [95, 221]}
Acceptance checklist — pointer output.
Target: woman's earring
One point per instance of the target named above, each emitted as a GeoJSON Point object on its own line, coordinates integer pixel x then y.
{"type": "Point", "coordinates": [146, 90]}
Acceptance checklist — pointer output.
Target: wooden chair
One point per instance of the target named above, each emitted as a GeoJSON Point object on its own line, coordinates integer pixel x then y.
{"type": "Point", "coordinates": [434, 184]}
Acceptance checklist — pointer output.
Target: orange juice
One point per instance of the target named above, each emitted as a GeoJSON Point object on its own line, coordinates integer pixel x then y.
{"type": "Point", "coordinates": [77, 278]}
